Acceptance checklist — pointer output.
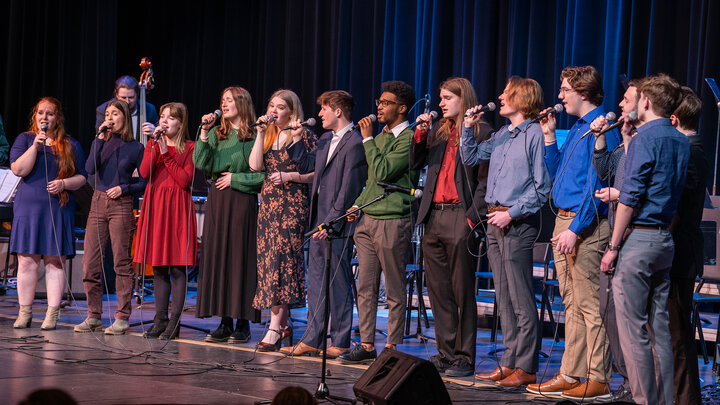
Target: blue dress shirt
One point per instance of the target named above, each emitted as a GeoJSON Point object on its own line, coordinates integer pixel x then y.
{"type": "Point", "coordinates": [575, 180]}
{"type": "Point", "coordinates": [655, 171]}
{"type": "Point", "coordinates": [517, 177]}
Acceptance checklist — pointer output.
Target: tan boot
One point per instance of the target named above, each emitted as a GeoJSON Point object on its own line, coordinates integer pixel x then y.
{"type": "Point", "coordinates": [24, 318]}
{"type": "Point", "coordinates": [51, 318]}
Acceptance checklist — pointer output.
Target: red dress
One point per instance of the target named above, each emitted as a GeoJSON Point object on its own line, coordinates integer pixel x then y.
{"type": "Point", "coordinates": [168, 209]}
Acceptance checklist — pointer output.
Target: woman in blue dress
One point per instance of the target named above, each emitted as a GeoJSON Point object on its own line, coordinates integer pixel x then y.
{"type": "Point", "coordinates": [51, 165]}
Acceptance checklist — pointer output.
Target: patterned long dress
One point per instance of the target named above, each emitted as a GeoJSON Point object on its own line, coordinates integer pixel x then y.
{"type": "Point", "coordinates": [282, 221]}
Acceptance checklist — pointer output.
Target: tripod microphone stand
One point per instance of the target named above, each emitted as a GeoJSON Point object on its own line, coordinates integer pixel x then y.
{"type": "Point", "coordinates": [323, 392]}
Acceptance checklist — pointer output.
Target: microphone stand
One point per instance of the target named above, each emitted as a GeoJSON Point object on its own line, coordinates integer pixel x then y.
{"type": "Point", "coordinates": [323, 391]}
{"type": "Point", "coordinates": [716, 92]}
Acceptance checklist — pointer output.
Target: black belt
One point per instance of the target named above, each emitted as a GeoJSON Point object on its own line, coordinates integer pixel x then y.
{"type": "Point", "coordinates": [446, 206]}
{"type": "Point", "coordinates": [652, 227]}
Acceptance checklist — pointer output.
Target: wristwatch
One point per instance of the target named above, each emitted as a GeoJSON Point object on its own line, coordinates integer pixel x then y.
{"type": "Point", "coordinates": [613, 247]}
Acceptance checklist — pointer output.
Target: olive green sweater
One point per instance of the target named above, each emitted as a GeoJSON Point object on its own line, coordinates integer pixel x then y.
{"type": "Point", "coordinates": [228, 155]}
{"type": "Point", "coordinates": [388, 160]}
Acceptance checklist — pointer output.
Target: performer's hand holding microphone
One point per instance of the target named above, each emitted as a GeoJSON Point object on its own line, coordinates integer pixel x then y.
{"type": "Point", "coordinates": [474, 114]}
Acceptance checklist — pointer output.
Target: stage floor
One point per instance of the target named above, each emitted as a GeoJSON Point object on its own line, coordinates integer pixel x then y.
{"type": "Point", "coordinates": [129, 369]}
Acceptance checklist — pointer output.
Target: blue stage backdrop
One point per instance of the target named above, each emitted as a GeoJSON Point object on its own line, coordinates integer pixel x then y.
{"type": "Point", "coordinates": [75, 49]}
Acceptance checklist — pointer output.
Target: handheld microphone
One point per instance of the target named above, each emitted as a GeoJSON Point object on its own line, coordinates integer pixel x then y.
{"type": "Point", "coordinates": [608, 117]}
{"type": "Point", "coordinates": [372, 117]}
{"type": "Point", "coordinates": [105, 128]}
{"type": "Point", "coordinates": [557, 109]}
{"type": "Point", "coordinates": [310, 122]}
{"type": "Point", "coordinates": [400, 189]}
{"type": "Point", "coordinates": [487, 107]}
{"type": "Point", "coordinates": [433, 117]}
{"type": "Point", "coordinates": [161, 130]}
{"type": "Point", "coordinates": [271, 119]}
{"type": "Point", "coordinates": [217, 114]}
{"type": "Point", "coordinates": [632, 117]}
{"type": "Point", "coordinates": [44, 127]}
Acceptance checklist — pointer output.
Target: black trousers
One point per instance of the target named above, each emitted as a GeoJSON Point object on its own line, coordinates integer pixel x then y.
{"type": "Point", "coordinates": [682, 336]}
{"type": "Point", "coordinates": [450, 279]}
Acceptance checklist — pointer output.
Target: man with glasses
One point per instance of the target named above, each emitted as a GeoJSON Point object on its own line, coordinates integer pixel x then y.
{"type": "Point", "coordinates": [579, 239]}
{"type": "Point", "coordinates": [383, 234]}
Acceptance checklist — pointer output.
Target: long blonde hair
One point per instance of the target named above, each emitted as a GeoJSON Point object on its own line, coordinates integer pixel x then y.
{"type": "Point", "coordinates": [246, 110]}
{"type": "Point", "coordinates": [462, 88]}
{"type": "Point", "coordinates": [296, 114]}
{"type": "Point", "coordinates": [179, 111]}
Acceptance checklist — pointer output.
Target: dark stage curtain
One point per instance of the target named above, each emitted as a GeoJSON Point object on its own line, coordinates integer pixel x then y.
{"type": "Point", "coordinates": [75, 49]}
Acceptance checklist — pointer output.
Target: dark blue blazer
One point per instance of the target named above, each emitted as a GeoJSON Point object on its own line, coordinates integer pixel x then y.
{"type": "Point", "coordinates": [338, 183]}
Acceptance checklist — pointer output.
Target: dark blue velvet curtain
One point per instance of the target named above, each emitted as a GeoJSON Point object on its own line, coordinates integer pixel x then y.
{"type": "Point", "coordinates": [75, 49]}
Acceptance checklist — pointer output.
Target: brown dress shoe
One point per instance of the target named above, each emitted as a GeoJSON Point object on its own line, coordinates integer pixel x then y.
{"type": "Point", "coordinates": [497, 375]}
{"type": "Point", "coordinates": [519, 377]}
{"type": "Point", "coordinates": [334, 351]}
{"type": "Point", "coordinates": [301, 349]}
{"type": "Point", "coordinates": [555, 387]}
{"type": "Point", "coordinates": [588, 391]}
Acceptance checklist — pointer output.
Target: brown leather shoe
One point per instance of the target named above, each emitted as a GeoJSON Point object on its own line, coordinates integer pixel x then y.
{"type": "Point", "coordinates": [334, 351]}
{"type": "Point", "coordinates": [519, 377]}
{"type": "Point", "coordinates": [301, 349]}
{"type": "Point", "coordinates": [497, 375]}
{"type": "Point", "coordinates": [588, 391]}
{"type": "Point", "coordinates": [555, 387]}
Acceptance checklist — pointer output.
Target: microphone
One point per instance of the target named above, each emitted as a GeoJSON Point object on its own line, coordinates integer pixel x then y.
{"type": "Point", "coordinates": [433, 117]}
{"type": "Point", "coordinates": [632, 117]}
{"type": "Point", "coordinates": [608, 117]}
{"type": "Point", "coordinates": [271, 119]}
{"type": "Point", "coordinates": [487, 107]}
{"type": "Point", "coordinates": [372, 117]}
{"type": "Point", "coordinates": [44, 127]}
{"type": "Point", "coordinates": [557, 109]}
{"type": "Point", "coordinates": [160, 132]}
{"type": "Point", "coordinates": [105, 128]}
{"type": "Point", "coordinates": [400, 189]}
{"type": "Point", "coordinates": [309, 122]}
{"type": "Point", "coordinates": [217, 114]}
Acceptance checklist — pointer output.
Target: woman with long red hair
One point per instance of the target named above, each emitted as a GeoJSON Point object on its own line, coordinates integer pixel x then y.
{"type": "Point", "coordinates": [51, 164]}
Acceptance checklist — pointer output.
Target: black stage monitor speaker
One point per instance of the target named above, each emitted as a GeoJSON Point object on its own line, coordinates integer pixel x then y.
{"type": "Point", "coordinates": [399, 378]}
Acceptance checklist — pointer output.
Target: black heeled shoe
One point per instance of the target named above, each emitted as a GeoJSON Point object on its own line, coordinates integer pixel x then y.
{"type": "Point", "coordinates": [172, 331]}
{"type": "Point", "coordinates": [159, 325]}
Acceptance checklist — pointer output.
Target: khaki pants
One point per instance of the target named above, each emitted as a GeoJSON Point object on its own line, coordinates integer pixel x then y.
{"type": "Point", "coordinates": [382, 245]}
{"type": "Point", "coordinates": [586, 344]}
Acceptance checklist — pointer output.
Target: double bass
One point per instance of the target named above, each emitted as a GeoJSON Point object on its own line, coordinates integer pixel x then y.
{"type": "Point", "coordinates": [147, 83]}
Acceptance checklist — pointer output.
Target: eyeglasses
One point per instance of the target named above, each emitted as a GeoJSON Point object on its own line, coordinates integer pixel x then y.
{"type": "Point", "coordinates": [384, 103]}
{"type": "Point", "coordinates": [564, 90]}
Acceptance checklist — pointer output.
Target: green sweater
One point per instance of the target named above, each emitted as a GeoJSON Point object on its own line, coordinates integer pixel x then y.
{"type": "Point", "coordinates": [388, 160]}
{"type": "Point", "coordinates": [228, 155]}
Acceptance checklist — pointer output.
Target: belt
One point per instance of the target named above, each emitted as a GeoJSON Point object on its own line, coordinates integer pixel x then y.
{"type": "Point", "coordinates": [566, 213]}
{"type": "Point", "coordinates": [496, 209]}
{"type": "Point", "coordinates": [652, 227]}
{"type": "Point", "coordinates": [446, 206]}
